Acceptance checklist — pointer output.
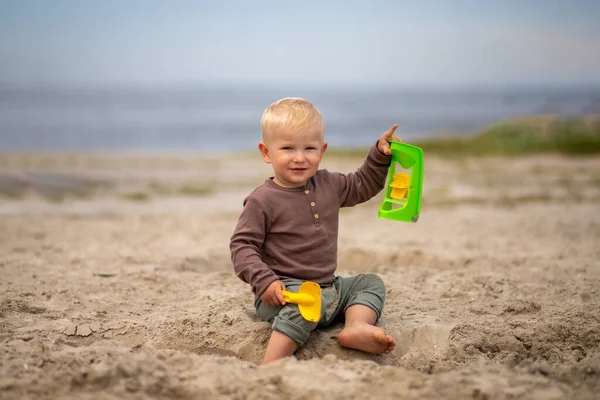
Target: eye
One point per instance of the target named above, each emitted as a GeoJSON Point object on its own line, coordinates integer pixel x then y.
{"type": "Point", "coordinates": [286, 148]}
{"type": "Point", "coordinates": [311, 148]}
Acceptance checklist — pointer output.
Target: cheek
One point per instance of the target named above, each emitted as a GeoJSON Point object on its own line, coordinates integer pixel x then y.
{"type": "Point", "coordinates": [314, 158]}
{"type": "Point", "coordinates": [281, 161]}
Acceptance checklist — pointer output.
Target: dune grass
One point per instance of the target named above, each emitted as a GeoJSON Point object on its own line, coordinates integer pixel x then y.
{"type": "Point", "coordinates": [136, 196]}
{"type": "Point", "coordinates": [519, 136]}
{"type": "Point", "coordinates": [161, 190]}
{"type": "Point", "coordinates": [528, 135]}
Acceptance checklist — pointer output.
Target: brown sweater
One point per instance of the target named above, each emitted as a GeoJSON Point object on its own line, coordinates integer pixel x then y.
{"type": "Point", "coordinates": [292, 232]}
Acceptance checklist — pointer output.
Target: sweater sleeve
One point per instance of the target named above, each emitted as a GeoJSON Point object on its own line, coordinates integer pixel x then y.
{"type": "Point", "coordinates": [368, 180]}
{"type": "Point", "coordinates": [246, 244]}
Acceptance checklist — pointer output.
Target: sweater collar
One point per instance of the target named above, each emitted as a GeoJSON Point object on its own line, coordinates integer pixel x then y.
{"type": "Point", "coordinates": [308, 186]}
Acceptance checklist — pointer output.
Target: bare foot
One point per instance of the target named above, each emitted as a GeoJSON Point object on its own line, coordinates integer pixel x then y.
{"type": "Point", "coordinates": [365, 337]}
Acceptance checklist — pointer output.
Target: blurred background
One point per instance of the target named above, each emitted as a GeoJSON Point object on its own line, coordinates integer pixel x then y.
{"type": "Point", "coordinates": [136, 75]}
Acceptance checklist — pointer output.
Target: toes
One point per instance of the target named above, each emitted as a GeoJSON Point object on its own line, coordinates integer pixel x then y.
{"type": "Point", "coordinates": [391, 344]}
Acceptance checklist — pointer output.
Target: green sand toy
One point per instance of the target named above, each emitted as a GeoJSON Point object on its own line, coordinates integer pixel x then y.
{"type": "Point", "coordinates": [402, 199]}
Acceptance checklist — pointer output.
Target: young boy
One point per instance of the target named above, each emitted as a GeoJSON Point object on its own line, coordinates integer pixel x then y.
{"type": "Point", "coordinates": [288, 229]}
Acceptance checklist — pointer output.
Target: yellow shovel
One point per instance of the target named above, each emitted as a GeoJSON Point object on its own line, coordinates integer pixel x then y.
{"type": "Point", "coordinates": [308, 299]}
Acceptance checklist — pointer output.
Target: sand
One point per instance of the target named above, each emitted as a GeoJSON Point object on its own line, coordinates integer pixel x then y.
{"type": "Point", "coordinates": [117, 283]}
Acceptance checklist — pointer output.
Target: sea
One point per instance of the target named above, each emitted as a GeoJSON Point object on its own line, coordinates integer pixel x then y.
{"type": "Point", "coordinates": [212, 118]}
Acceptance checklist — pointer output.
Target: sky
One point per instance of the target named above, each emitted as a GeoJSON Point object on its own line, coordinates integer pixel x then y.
{"type": "Point", "coordinates": [348, 43]}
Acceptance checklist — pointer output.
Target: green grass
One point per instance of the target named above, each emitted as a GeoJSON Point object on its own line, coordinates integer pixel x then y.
{"type": "Point", "coordinates": [196, 191]}
{"type": "Point", "coordinates": [187, 189]}
{"type": "Point", "coordinates": [12, 194]}
{"type": "Point", "coordinates": [519, 136]}
{"type": "Point", "coordinates": [136, 196]}
{"type": "Point", "coordinates": [158, 190]}
{"type": "Point", "coordinates": [530, 135]}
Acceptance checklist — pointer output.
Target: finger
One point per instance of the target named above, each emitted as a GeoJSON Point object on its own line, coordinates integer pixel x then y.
{"type": "Point", "coordinates": [279, 295]}
{"type": "Point", "coordinates": [385, 147]}
{"type": "Point", "coordinates": [387, 135]}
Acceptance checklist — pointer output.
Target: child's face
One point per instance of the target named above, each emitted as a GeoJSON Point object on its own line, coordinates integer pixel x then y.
{"type": "Point", "coordinates": [294, 154]}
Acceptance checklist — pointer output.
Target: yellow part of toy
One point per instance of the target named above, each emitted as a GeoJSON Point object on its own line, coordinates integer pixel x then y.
{"type": "Point", "coordinates": [308, 299]}
{"type": "Point", "coordinates": [399, 186]}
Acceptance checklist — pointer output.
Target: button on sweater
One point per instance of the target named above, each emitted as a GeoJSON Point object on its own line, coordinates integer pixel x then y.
{"type": "Point", "coordinates": [293, 232]}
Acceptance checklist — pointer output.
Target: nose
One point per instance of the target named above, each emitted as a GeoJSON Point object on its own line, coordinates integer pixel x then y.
{"type": "Point", "coordinates": [298, 156]}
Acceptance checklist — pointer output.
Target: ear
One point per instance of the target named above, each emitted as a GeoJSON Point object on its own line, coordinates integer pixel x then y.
{"type": "Point", "coordinates": [264, 151]}
{"type": "Point", "coordinates": [323, 148]}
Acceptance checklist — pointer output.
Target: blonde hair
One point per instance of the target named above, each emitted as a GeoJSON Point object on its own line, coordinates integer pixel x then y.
{"type": "Point", "coordinates": [291, 113]}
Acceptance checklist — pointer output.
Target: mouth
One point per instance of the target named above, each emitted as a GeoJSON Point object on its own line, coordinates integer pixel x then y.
{"type": "Point", "coordinates": [298, 169]}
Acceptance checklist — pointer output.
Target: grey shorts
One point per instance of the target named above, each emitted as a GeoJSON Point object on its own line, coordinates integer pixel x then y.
{"type": "Point", "coordinates": [365, 289]}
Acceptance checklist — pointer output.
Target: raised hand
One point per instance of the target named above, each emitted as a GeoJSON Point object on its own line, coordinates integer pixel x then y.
{"type": "Point", "coordinates": [384, 140]}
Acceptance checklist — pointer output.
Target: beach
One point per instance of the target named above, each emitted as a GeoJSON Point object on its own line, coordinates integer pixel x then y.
{"type": "Point", "coordinates": [117, 282]}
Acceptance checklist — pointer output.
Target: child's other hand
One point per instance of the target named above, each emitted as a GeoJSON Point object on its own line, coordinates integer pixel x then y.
{"type": "Point", "coordinates": [273, 296]}
{"type": "Point", "coordinates": [384, 141]}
